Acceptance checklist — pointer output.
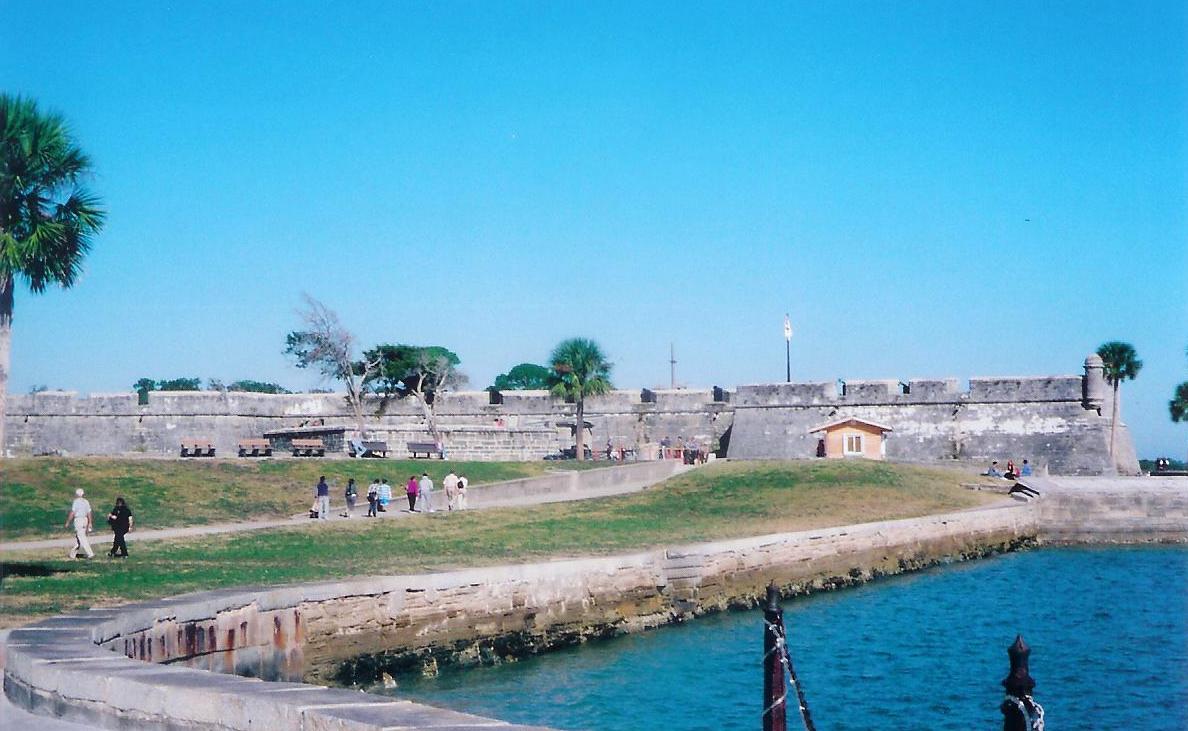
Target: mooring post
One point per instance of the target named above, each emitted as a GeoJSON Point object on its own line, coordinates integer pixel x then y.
{"type": "Point", "coordinates": [1020, 712]}
{"type": "Point", "coordinates": [774, 694]}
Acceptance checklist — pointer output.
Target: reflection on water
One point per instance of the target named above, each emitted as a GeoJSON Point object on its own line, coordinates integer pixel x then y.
{"type": "Point", "coordinates": [1108, 630]}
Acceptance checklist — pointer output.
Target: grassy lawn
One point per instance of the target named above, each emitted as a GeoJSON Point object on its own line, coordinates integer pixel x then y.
{"type": "Point", "coordinates": [719, 501]}
{"type": "Point", "coordinates": [35, 493]}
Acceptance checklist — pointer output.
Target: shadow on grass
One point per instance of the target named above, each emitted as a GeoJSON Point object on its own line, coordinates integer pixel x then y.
{"type": "Point", "coordinates": [23, 568]}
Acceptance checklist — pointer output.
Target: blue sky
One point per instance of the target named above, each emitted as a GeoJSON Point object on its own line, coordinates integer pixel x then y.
{"type": "Point", "coordinates": [930, 189]}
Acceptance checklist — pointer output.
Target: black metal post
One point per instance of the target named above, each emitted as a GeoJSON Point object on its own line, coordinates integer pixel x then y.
{"type": "Point", "coordinates": [774, 694]}
{"type": "Point", "coordinates": [1020, 712]}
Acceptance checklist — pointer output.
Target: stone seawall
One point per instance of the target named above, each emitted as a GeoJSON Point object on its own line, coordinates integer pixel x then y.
{"type": "Point", "coordinates": [88, 666]}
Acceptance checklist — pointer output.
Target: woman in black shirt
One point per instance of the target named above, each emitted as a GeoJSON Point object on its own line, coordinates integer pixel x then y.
{"type": "Point", "coordinates": [120, 520]}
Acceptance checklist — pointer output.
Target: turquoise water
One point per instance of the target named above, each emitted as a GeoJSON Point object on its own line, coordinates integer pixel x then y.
{"type": "Point", "coordinates": [1108, 630]}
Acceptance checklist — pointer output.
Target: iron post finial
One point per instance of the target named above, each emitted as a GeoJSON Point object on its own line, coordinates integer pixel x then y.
{"type": "Point", "coordinates": [773, 598]}
{"type": "Point", "coordinates": [1019, 682]}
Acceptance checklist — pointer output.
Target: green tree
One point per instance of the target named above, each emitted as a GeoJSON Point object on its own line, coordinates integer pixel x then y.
{"type": "Point", "coordinates": [524, 377]}
{"type": "Point", "coordinates": [250, 386]}
{"type": "Point", "coordinates": [180, 384]}
{"type": "Point", "coordinates": [47, 216]}
{"type": "Point", "coordinates": [579, 369]}
{"type": "Point", "coordinates": [142, 388]}
{"type": "Point", "coordinates": [1178, 406]}
{"type": "Point", "coordinates": [1121, 363]}
{"type": "Point", "coordinates": [417, 371]}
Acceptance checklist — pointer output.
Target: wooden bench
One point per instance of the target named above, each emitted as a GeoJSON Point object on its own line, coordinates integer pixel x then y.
{"type": "Point", "coordinates": [197, 448]}
{"type": "Point", "coordinates": [426, 448]}
{"type": "Point", "coordinates": [308, 448]}
{"type": "Point", "coordinates": [370, 449]}
{"type": "Point", "coordinates": [255, 448]}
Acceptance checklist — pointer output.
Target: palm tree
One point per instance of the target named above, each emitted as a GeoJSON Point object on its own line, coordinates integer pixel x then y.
{"type": "Point", "coordinates": [1178, 406]}
{"type": "Point", "coordinates": [579, 370]}
{"type": "Point", "coordinates": [1120, 363]}
{"type": "Point", "coordinates": [47, 217]}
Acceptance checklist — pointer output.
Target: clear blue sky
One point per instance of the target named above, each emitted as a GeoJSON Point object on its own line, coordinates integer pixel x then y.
{"type": "Point", "coordinates": [931, 189]}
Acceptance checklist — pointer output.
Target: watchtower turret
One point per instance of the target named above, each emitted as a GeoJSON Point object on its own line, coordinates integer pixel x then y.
{"type": "Point", "coordinates": [1093, 386]}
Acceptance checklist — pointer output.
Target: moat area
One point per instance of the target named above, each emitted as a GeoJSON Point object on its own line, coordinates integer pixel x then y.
{"type": "Point", "coordinates": [1108, 627]}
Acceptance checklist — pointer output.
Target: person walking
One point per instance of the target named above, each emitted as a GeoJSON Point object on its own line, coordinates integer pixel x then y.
{"type": "Point", "coordinates": [323, 499]}
{"type": "Point", "coordinates": [411, 489]}
{"type": "Point", "coordinates": [462, 484]}
{"type": "Point", "coordinates": [450, 484]}
{"type": "Point", "coordinates": [351, 494]}
{"type": "Point", "coordinates": [80, 516]}
{"type": "Point", "coordinates": [385, 495]}
{"type": "Point", "coordinates": [120, 520]}
{"type": "Point", "coordinates": [425, 492]}
{"type": "Point", "coordinates": [372, 497]}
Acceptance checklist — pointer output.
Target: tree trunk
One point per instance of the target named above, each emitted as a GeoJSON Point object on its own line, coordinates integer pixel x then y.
{"type": "Point", "coordinates": [1114, 428]}
{"type": "Point", "coordinates": [355, 399]}
{"type": "Point", "coordinates": [430, 417]}
{"type": "Point", "coordinates": [6, 302]}
{"type": "Point", "coordinates": [579, 431]}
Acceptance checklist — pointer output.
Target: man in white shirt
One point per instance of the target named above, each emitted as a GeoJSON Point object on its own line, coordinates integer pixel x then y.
{"type": "Point", "coordinates": [450, 483]}
{"type": "Point", "coordinates": [80, 515]}
{"type": "Point", "coordinates": [462, 483]}
{"type": "Point", "coordinates": [425, 492]}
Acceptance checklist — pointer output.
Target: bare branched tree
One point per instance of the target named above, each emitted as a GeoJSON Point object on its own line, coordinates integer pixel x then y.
{"type": "Point", "coordinates": [328, 347]}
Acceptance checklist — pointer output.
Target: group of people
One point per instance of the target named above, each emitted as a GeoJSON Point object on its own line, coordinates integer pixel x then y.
{"type": "Point", "coordinates": [419, 492]}
{"type": "Point", "coordinates": [1011, 472]}
{"type": "Point", "coordinates": [82, 518]}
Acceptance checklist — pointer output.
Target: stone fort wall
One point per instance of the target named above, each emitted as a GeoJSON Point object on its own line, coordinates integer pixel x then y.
{"type": "Point", "coordinates": [1059, 423]}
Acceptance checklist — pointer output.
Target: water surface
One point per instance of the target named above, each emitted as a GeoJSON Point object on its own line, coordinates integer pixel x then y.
{"type": "Point", "coordinates": [1107, 626]}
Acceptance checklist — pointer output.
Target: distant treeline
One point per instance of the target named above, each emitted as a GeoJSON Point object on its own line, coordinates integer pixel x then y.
{"type": "Point", "coordinates": [144, 385]}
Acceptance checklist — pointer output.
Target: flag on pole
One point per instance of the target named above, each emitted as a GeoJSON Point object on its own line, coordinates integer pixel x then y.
{"type": "Point", "coordinates": [787, 328]}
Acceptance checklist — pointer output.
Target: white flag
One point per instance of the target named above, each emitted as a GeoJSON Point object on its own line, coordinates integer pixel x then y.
{"type": "Point", "coordinates": [787, 328]}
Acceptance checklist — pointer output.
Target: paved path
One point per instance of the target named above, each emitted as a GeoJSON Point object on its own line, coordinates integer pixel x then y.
{"type": "Point", "coordinates": [101, 539]}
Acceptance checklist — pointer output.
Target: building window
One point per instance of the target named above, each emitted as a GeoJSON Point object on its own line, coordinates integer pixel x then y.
{"type": "Point", "coordinates": [853, 444]}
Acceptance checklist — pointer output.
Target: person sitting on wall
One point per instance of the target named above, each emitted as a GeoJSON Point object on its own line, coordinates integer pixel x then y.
{"type": "Point", "coordinates": [993, 471]}
{"type": "Point", "coordinates": [1025, 470]}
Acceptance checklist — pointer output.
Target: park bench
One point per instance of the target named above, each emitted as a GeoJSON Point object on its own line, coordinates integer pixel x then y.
{"type": "Point", "coordinates": [308, 448]}
{"type": "Point", "coordinates": [197, 448]}
{"type": "Point", "coordinates": [426, 448]}
{"type": "Point", "coordinates": [367, 448]}
{"type": "Point", "coordinates": [255, 448]}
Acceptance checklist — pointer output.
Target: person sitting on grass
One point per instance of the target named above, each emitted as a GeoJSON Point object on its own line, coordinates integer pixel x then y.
{"type": "Point", "coordinates": [993, 471]}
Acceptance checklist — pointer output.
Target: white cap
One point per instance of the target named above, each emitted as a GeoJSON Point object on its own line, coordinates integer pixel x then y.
{"type": "Point", "coordinates": [79, 492]}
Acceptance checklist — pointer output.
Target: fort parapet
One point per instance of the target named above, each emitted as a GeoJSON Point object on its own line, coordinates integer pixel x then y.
{"type": "Point", "coordinates": [1060, 423]}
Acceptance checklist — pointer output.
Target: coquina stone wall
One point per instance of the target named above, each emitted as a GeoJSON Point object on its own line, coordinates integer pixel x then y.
{"type": "Point", "coordinates": [1059, 423]}
{"type": "Point", "coordinates": [523, 425]}
{"type": "Point", "coordinates": [89, 667]}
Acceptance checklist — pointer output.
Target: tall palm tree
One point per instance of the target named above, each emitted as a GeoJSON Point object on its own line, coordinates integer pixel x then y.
{"type": "Point", "coordinates": [579, 370]}
{"type": "Point", "coordinates": [47, 217]}
{"type": "Point", "coordinates": [1120, 363]}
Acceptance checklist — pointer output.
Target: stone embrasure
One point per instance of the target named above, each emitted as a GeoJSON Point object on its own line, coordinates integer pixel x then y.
{"type": "Point", "coordinates": [89, 666]}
